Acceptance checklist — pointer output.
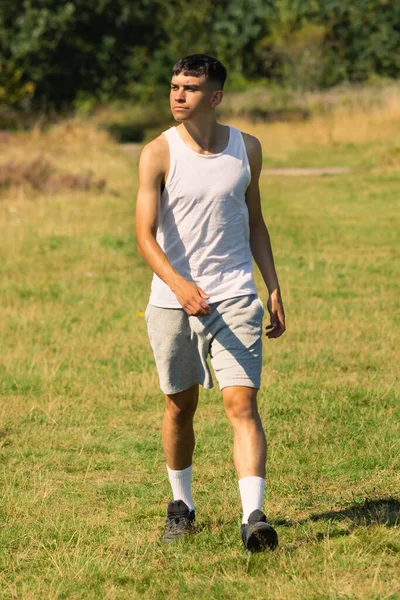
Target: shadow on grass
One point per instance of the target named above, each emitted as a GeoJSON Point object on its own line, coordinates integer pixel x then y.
{"type": "Point", "coordinates": [385, 511]}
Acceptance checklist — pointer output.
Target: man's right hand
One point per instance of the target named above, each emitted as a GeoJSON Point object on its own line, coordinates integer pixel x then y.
{"type": "Point", "coordinates": [192, 298]}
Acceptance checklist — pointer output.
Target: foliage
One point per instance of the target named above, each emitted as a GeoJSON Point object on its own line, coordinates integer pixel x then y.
{"type": "Point", "coordinates": [13, 89]}
{"type": "Point", "coordinates": [76, 50]}
{"type": "Point", "coordinates": [363, 37]}
{"type": "Point", "coordinates": [15, 94]}
{"type": "Point", "coordinates": [67, 47]}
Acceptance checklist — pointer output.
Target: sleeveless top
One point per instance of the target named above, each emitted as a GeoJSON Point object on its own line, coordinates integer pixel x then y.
{"type": "Point", "coordinates": [203, 225]}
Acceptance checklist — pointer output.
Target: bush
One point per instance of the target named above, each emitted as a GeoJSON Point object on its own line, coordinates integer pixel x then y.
{"type": "Point", "coordinates": [13, 90]}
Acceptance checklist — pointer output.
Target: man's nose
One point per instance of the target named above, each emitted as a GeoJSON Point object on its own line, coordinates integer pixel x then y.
{"type": "Point", "coordinates": [180, 95]}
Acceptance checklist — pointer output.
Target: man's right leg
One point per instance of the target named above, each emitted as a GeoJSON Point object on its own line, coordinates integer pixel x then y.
{"type": "Point", "coordinates": [177, 428]}
{"type": "Point", "coordinates": [181, 366]}
{"type": "Point", "coordinates": [178, 443]}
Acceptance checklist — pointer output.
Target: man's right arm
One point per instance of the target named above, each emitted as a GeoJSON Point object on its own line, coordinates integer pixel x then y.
{"type": "Point", "coordinates": [153, 166]}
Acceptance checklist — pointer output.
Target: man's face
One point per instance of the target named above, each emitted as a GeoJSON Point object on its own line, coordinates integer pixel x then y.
{"type": "Point", "coordinates": [191, 96]}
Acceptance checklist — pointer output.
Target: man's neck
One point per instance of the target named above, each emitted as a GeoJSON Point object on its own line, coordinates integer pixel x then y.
{"type": "Point", "coordinates": [204, 137]}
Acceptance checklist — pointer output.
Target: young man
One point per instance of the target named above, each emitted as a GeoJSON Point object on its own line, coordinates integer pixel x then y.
{"type": "Point", "coordinates": [198, 224]}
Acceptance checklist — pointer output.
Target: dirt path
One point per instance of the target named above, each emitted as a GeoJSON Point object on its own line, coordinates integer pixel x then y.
{"type": "Point", "coordinates": [304, 171]}
{"type": "Point", "coordinates": [134, 149]}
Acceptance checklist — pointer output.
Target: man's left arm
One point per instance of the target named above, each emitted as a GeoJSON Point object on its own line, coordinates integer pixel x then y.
{"type": "Point", "coordinates": [260, 242]}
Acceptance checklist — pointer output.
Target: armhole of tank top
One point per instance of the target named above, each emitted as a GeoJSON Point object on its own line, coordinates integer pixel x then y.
{"type": "Point", "coordinates": [171, 167]}
{"type": "Point", "coordinates": [246, 156]}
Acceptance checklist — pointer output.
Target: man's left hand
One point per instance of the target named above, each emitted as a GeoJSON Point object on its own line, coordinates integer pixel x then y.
{"type": "Point", "coordinates": [277, 315]}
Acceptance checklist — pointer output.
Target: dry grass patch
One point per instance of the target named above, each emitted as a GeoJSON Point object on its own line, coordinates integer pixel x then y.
{"type": "Point", "coordinates": [74, 154]}
{"type": "Point", "coordinates": [40, 175]}
{"type": "Point", "coordinates": [356, 134]}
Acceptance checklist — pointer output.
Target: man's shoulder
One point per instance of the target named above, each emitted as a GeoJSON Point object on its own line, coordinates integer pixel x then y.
{"type": "Point", "coordinates": [252, 143]}
{"type": "Point", "coordinates": [254, 152]}
{"type": "Point", "coordinates": [155, 154]}
{"type": "Point", "coordinates": [157, 148]}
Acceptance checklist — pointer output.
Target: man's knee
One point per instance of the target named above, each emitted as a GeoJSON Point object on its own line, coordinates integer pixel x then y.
{"type": "Point", "coordinates": [240, 403]}
{"type": "Point", "coordinates": [182, 407]}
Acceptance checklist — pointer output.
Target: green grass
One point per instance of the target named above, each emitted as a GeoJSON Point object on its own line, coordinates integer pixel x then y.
{"type": "Point", "coordinates": [84, 487]}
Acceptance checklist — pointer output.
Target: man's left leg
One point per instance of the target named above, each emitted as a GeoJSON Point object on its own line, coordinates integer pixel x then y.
{"type": "Point", "coordinates": [249, 443]}
{"type": "Point", "coordinates": [249, 456]}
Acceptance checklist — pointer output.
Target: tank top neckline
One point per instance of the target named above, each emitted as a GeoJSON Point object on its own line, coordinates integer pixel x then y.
{"type": "Point", "coordinates": [205, 155]}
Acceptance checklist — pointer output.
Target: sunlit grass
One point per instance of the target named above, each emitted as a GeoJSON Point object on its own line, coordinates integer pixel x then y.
{"type": "Point", "coordinates": [84, 488]}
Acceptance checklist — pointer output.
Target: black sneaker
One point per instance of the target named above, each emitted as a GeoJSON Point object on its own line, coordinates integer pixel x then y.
{"type": "Point", "coordinates": [257, 534]}
{"type": "Point", "coordinates": [180, 521]}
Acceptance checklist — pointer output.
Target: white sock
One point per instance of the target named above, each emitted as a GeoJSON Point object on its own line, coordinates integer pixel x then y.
{"type": "Point", "coordinates": [252, 495]}
{"type": "Point", "coordinates": [181, 484]}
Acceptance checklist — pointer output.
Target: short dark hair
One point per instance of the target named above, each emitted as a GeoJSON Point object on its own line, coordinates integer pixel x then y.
{"type": "Point", "coordinates": [197, 65]}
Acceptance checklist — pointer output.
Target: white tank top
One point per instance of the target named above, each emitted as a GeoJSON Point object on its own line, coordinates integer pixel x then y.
{"type": "Point", "coordinates": [203, 225]}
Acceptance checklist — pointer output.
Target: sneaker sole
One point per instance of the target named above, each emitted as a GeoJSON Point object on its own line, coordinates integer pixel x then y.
{"type": "Point", "coordinates": [167, 539]}
{"type": "Point", "coordinates": [261, 537]}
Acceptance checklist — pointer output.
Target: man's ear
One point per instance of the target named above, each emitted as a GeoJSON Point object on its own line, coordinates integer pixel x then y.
{"type": "Point", "coordinates": [216, 98]}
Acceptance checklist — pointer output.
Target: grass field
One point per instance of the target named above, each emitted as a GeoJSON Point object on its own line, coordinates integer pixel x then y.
{"type": "Point", "coordinates": [84, 487]}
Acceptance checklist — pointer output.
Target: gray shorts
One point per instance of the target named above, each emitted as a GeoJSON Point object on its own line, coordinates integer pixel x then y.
{"type": "Point", "coordinates": [230, 334]}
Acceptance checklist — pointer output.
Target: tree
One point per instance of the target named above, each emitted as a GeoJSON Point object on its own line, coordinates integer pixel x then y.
{"type": "Point", "coordinates": [84, 45]}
